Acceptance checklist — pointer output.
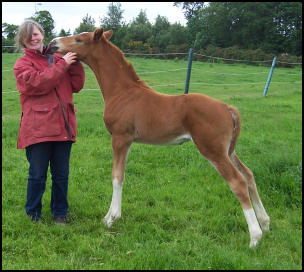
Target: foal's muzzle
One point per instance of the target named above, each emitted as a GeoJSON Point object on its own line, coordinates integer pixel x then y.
{"type": "Point", "coordinates": [52, 47]}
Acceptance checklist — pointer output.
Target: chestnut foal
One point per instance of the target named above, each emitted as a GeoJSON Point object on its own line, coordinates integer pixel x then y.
{"type": "Point", "coordinates": [135, 112]}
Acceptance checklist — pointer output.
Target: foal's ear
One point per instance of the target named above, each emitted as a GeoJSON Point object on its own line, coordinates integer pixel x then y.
{"type": "Point", "coordinates": [97, 34]}
{"type": "Point", "coordinates": [108, 34]}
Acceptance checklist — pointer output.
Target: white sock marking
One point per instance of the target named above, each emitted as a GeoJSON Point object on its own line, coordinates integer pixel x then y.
{"type": "Point", "coordinates": [254, 228]}
{"type": "Point", "coordinates": [114, 212]}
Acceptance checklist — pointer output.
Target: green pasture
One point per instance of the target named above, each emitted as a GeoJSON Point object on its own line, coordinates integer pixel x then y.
{"type": "Point", "coordinates": [177, 212]}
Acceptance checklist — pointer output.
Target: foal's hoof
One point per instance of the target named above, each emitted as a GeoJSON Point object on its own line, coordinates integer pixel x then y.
{"type": "Point", "coordinates": [253, 243]}
{"type": "Point", "coordinates": [108, 222]}
{"type": "Point", "coordinates": [265, 224]}
{"type": "Point", "coordinates": [110, 218]}
{"type": "Point", "coordinates": [255, 240]}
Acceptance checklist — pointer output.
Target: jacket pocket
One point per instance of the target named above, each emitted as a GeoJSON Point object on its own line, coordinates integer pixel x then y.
{"type": "Point", "coordinates": [46, 120]}
{"type": "Point", "coordinates": [72, 118]}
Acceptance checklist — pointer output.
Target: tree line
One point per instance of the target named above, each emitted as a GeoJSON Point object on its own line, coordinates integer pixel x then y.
{"type": "Point", "coordinates": [240, 30]}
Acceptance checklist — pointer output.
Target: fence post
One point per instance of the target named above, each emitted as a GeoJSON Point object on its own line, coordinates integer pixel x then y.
{"type": "Point", "coordinates": [189, 70]}
{"type": "Point", "coordinates": [269, 76]}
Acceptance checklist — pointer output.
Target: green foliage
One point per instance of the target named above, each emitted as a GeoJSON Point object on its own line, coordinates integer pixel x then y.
{"type": "Point", "coordinates": [9, 30]}
{"type": "Point", "coordinates": [138, 46]}
{"type": "Point", "coordinates": [138, 32]}
{"type": "Point", "coordinates": [177, 212]}
{"type": "Point", "coordinates": [191, 9]}
{"type": "Point", "coordinates": [274, 27]}
{"type": "Point", "coordinates": [114, 17]}
{"type": "Point", "coordinates": [261, 28]}
{"type": "Point", "coordinates": [87, 25]}
{"type": "Point", "coordinates": [64, 33]}
{"type": "Point", "coordinates": [252, 57]}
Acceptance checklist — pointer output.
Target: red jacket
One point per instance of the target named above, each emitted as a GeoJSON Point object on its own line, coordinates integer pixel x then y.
{"type": "Point", "coordinates": [42, 118]}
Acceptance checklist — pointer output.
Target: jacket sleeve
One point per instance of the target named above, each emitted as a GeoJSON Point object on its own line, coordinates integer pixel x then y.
{"type": "Point", "coordinates": [77, 74]}
{"type": "Point", "coordinates": [31, 81]}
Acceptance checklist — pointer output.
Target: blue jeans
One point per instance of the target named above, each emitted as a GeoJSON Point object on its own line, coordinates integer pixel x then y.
{"type": "Point", "coordinates": [39, 156]}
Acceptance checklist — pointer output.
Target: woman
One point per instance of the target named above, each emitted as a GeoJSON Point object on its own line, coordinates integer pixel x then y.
{"type": "Point", "coordinates": [48, 121]}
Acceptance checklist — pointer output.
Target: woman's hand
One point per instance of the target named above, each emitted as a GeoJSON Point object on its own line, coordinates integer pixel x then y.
{"type": "Point", "coordinates": [70, 58]}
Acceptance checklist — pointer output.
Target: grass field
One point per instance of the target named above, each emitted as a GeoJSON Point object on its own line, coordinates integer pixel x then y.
{"type": "Point", "coordinates": [177, 212]}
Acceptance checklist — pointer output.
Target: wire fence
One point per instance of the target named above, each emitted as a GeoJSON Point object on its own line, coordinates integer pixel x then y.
{"type": "Point", "coordinates": [211, 57]}
{"type": "Point", "coordinates": [263, 74]}
{"type": "Point", "coordinates": [195, 54]}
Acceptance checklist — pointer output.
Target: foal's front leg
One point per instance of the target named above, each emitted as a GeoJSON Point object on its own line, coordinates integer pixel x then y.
{"type": "Point", "coordinates": [121, 146]}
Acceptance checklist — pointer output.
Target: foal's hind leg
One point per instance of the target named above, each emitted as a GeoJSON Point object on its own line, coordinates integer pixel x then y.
{"type": "Point", "coordinates": [121, 146]}
{"type": "Point", "coordinates": [239, 187]}
{"type": "Point", "coordinates": [262, 216]}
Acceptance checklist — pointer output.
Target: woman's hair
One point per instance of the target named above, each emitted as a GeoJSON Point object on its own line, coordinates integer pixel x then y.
{"type": "Point", "coordinates": [25, 32]}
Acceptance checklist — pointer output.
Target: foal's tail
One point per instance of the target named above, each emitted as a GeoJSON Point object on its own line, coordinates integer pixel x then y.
{"type": "Point", "coordinates": [236, 128]}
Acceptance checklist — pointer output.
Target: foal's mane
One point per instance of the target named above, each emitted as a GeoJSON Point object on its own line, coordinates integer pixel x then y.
{"type": "Point", "coordinates": [129, 67]}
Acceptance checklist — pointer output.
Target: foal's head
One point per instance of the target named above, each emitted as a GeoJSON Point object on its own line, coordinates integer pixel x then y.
{"type": "Point", "coordinates": [82, 44]}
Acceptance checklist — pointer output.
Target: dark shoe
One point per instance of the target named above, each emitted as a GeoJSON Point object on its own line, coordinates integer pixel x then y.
{"type": "Point", "coordinates": [60, 221]}
{"type": "Point", "coordinates": [34, 219]}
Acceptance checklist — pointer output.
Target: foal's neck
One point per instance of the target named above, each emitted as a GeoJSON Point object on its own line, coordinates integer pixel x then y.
{"type": "Point", "coordinates": [113, 72]}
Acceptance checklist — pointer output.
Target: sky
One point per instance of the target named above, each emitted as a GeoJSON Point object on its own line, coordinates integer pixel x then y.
{"type": "Point", "coordinates": [68, 15]}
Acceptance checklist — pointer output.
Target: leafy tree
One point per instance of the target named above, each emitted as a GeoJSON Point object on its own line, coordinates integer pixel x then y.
{"type": "Point", "coordinates": [9, 31]}
{"type": "Point", "coordinates": [64, 33]}
{"type": "Point", "coordinates": [114, 17]}
{"type": "Point", "coordinates": [177, 35]}
{"type": "Point", "coordinates": [288, 25]}
{"type": "Point", "coordinates": [161, 24]}
{"type": "Point", "coordinates": [243, 30]}
{"type": "Point", "coordinates": [275, 27]}
{"type": "Point", "coordinates": [160, 35]}
{"type": "Point", "coordinates": [198, 33]}
{"type": "Point", "coordinates": [165, 35]}
{"type": "Point", "coordinates": [191, 9]}
{"type": "Point", "coordinates": [114, 21]}
{"type": "Point", "coordinates": [87, 25]}
{"type": "Point", "coordinates": [140, 28]}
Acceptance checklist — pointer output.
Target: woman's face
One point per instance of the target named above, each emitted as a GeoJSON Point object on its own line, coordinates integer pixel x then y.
{"type": "Point", "coordinates": [36, 42]}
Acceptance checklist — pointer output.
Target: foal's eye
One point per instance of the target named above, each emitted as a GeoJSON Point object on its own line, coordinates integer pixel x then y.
{"type": "Point", "coordinates": [77, 40]}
